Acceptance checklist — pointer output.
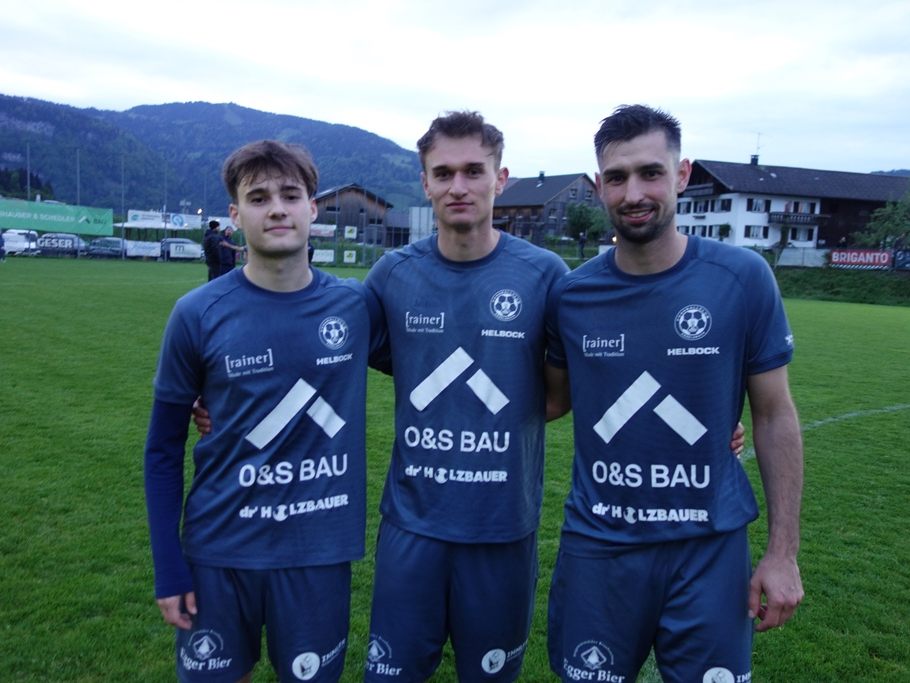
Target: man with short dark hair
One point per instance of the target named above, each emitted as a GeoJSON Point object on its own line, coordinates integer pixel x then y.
{"type": "Point", "coordinates": [661, 339]}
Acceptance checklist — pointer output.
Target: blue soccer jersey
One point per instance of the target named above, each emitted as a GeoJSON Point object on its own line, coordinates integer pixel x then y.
{"type": "Point", "coordinates": [658, 367]}
{"type": "Point", "coordinates": [468, 344]}
{"type": "Point", "coordinates": [280, 481]}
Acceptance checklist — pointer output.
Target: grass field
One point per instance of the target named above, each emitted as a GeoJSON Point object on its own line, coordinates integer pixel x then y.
{"type": "Point", "coordinates": [79, 345]}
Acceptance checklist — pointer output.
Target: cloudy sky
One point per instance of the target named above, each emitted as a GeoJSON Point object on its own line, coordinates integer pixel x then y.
{"type": "Point", "coordinates": [818, 84]}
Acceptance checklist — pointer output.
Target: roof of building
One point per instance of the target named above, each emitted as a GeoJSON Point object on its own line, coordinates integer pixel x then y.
{"type": "Point", "coordinates": [537, 191]}
{"type": "Point", "coordinates": [804, 182]}
{"type": "Point", "coordinates": [353, 187]}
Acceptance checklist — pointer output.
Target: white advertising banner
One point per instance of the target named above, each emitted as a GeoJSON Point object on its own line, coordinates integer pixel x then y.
{"type": "Point", "coordinates": [156, 220]}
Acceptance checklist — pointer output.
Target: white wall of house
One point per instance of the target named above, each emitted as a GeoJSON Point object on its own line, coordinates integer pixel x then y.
{"type": "Point", "coordinates": [747, 215]}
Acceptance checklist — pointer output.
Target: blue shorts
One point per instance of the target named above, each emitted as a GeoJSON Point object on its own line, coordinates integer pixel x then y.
{"type": "Point", "coordinates": [426, 591]}
{"type": "Point", "coordinates": [610, 604]}
{"type": "Point", "coordinates": [304, 610]}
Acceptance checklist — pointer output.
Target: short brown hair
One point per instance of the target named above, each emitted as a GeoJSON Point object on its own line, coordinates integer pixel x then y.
{"type": "Point", "coordinates": [462, 124]}
{"type": "Point", "coordinates": [270, 157]}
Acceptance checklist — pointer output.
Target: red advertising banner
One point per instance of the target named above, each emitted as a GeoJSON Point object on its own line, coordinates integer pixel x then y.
{"type": "Point", "coordinates": [869, 259]}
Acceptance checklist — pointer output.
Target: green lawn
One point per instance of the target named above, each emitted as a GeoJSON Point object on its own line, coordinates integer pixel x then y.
{"type": "Point", "coordinates": [79, 346]}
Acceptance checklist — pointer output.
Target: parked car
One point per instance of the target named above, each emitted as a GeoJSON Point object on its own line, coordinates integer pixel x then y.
{"type": "Point", "coordinates": [20, 242]}
{"type": "Point", "coordinates": [117, 247]}
{"type": "Point", "coordinates": [105, 247]}
{"type": "Point", "coordinates": [180, 248]}
{"type": "Point", "coordinates": [62, 244]}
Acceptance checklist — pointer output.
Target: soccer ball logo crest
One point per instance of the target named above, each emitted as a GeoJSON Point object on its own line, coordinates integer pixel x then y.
{"type": "Point", "coordinates": [333, 332]}
{"type": "Point", "coordinates": [693, 322]}
{"type": "Point", "coordinates": [505, 305]}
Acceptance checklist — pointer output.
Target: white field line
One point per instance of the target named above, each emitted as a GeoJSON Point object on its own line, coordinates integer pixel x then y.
{"type": "Point", "coordinates": [854, 415]}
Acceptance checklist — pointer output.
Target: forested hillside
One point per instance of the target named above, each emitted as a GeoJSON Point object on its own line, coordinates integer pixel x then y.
{"type": "Point", "coordinates": [170, 155]}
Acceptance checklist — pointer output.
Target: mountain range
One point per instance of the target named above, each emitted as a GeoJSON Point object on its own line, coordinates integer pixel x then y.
{"type": "Point", "coordinates": [169, 156]}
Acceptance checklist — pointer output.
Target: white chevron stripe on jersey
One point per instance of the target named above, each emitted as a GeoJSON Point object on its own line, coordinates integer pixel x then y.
{"type": "Point", "coordinates": [680, 420]}
{"type": "Point", "coordinates": [281, 415]}
{"type": "Point", "coordinates": [424, 393]}
{"type": "Point", "coordinates": [484, 388]}
{"type": "Point", "coordinates": [325, 416]}
{"type": "Point", "coordinates": [632, 400]}
{"type": "Point", "coordinates": [293, 402]}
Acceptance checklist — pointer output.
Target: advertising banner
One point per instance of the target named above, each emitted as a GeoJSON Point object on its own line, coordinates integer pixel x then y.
{"type": "Point", "coordinates": [322, 230]}
{"type": "Point", "coordinates": [902, 259]}
{"type": "Point", "coordinates": [156, 220]}
{"type": "Point", "coordinates": [865, 259]}
{"type": "Point", "coordinates": [52, 217]}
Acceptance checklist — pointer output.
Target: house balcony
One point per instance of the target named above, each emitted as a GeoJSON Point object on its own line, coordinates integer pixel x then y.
{"type": "Point", "coordinates": [790, 218]}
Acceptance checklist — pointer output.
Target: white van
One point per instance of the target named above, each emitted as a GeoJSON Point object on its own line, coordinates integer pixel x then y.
{"type": "Point", "coordinates": [20, 242]}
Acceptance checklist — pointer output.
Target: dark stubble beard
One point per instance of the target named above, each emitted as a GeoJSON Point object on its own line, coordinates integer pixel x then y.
{"type": "Point", "coordinates": [642, 235]}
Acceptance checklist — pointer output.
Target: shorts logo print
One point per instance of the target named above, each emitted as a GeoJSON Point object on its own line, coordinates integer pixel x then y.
{"type": "Point", "coordinates": [305, 666]}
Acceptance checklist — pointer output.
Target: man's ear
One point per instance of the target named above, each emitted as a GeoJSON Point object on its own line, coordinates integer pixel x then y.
{"type": "Point", "coordinates": [683, 175]}
{"type": "Point", "coordinates": [502, 177]}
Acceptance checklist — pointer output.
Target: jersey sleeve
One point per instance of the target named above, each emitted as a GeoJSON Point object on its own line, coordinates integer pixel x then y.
{"type": "Point", "coordinates": [164, 449]}
{"type": "Point", "coordinates": [556, 354]}
{"type": "Point", "coordinates": [180, 373]}
{"type": "Point", "coordinates": [770, 342]}
{"type": "Point", "coordinates": [380, 349]}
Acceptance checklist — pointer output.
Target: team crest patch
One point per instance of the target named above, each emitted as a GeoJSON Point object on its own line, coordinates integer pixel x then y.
{"type": "Point", "coordinates": [693, 322]}
{"type": "Point", "coordinates": [333, 332]}
{"type": "Point", "coordinates": [505, 305]}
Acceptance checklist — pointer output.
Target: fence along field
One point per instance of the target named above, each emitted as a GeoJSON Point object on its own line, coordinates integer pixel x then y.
{"type": "Point", "coordinates": [80, 340]}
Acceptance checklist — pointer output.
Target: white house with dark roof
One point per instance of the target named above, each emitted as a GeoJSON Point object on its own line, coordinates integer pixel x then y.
{"type": "Point", "coordinates": [755, 205]}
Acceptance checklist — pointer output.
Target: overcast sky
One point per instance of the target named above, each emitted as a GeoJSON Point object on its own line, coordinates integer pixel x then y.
{"type": "Point", "coordinates": [817, 84]}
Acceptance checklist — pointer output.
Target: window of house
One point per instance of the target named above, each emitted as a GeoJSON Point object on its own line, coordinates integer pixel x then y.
{"type": "Point", "coordinates": [683, 207]}
{"type": "Point", "coordinates": [758, 205]}
{"type": "Point", "coordinates": [589, 194]}
{"type": "Point", "coordinates": [801, 234]}
{"type": "Point", "coordinates": [573, 192]}
{"type": "Point", "coordinates": [811, 207]}
{"type": "Point", "coordinates": [700, 206]}
{"type": "Point", "coordinates": [726, 205]}
{"type": "Point", "coordinates": [757, 232]}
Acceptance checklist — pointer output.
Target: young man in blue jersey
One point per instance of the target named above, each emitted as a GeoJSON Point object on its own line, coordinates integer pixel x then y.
{"type": "Point", "coordinates": [456, 555]}
{"type": "Point", "coordinates": [276, 509]}
{"type": "Point", "coordinates": [662, 338]}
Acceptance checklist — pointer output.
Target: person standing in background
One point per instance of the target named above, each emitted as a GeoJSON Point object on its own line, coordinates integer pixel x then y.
{"type": "Point", "coordinates": [210, 243]}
